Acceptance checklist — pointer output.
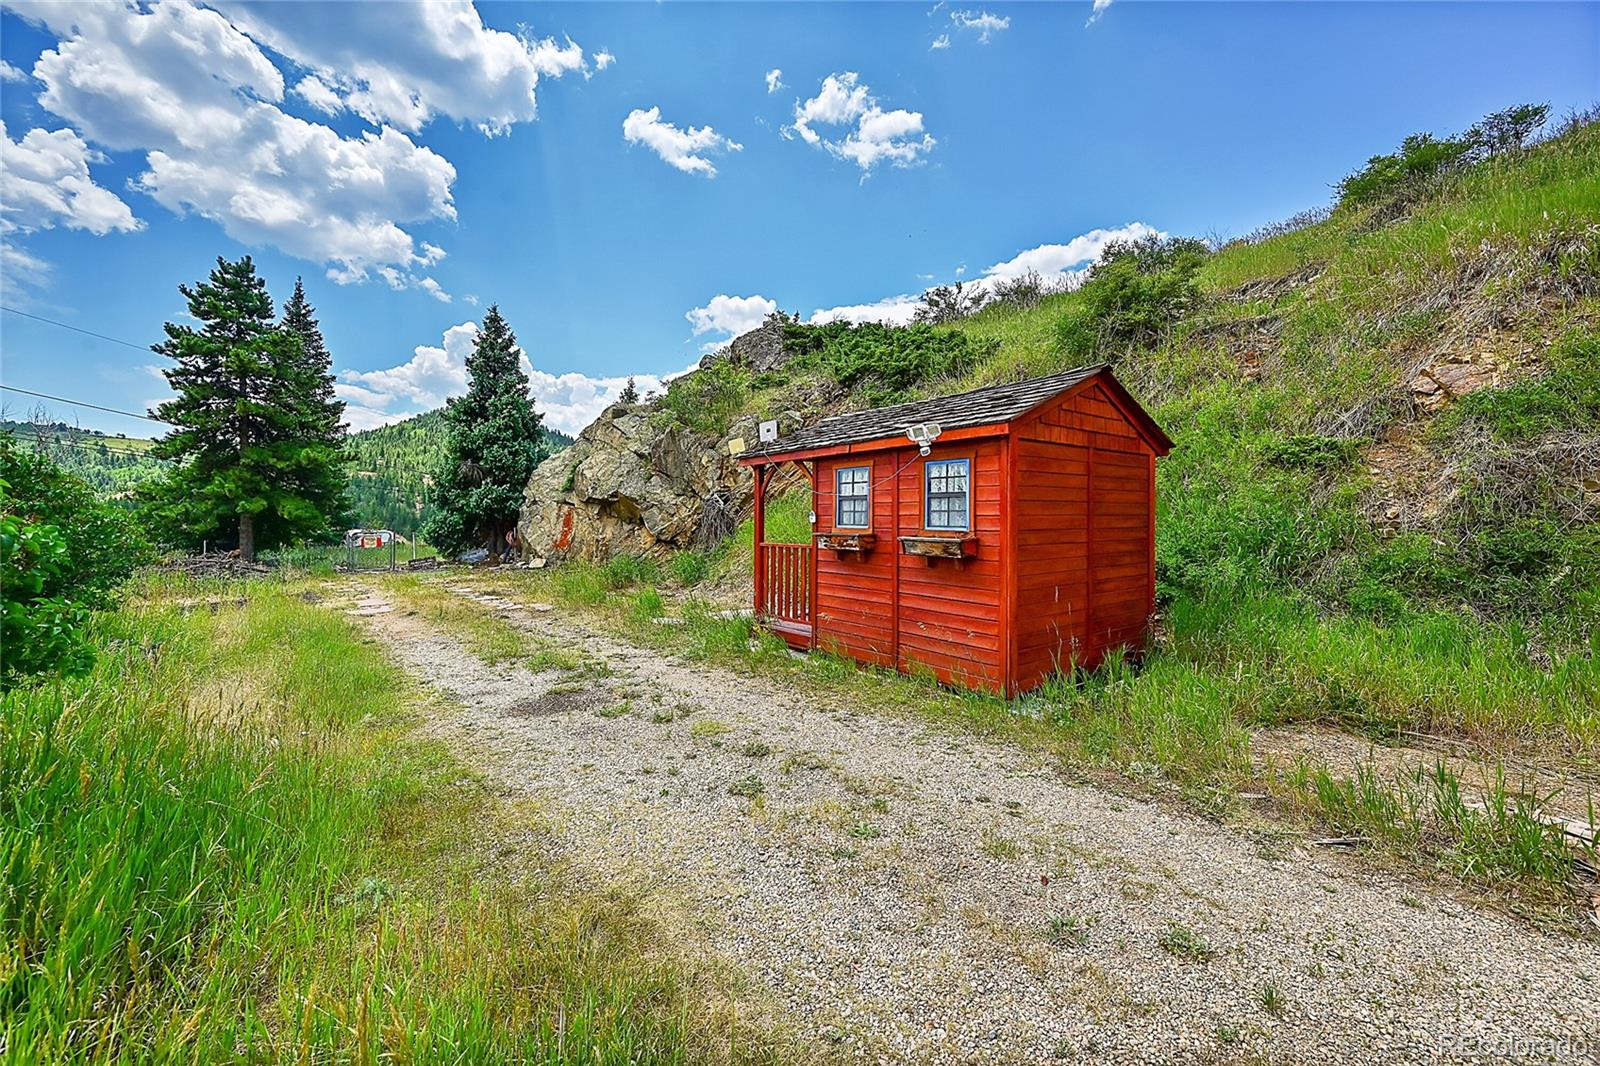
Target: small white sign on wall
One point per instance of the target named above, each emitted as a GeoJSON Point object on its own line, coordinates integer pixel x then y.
{"type": "Point", "coordinates": [769, 431]}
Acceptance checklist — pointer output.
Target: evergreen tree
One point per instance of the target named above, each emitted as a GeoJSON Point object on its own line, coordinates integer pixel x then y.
{"type": "Point", "coordinates": [493, 445]}
{"type": "Point", "coordinates": [629, 394]}
{"type": "Point", "coordinates": [325, 484]}
{"type": "Point", "coordinates": [245, 428]}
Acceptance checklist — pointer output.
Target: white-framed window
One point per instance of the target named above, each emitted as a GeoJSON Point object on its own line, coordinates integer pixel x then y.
{"type": "Point", "coordinates": [947, 493]}
{"type": "Point", "coordinates": [852, 504]}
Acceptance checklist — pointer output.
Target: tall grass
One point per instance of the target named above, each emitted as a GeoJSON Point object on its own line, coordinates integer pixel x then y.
{"type": "Point", "coordinates": [221, 846]}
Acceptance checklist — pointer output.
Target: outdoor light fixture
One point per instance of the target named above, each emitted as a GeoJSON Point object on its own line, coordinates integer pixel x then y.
{"type": "Point", "coordinates": [923, 435]}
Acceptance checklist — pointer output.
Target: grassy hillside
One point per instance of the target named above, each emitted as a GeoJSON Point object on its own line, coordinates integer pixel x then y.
{"type": "Point", "coordinates": [1341, 541]}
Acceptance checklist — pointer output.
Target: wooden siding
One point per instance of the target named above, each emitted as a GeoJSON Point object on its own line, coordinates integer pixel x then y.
{"type": "Point", "coordinates": [1085, 550]}
{"type": "Point", "coordinates": [950, 618]}
{"type": "Point", "coordinates": [855, 604]}
{"type": "Point", "coordinates": [1063, 533]}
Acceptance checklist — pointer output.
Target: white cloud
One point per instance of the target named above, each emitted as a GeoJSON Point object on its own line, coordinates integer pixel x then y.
{"type": "Point", "coordinates": [891, 311]}
{"type": "Point", "coordinates": [45, 182]}
{"type": "Point", "coordinates": [319, 94]}
{"type": "Point", "coordinates": [431, 287]}
{"type": "Point", "coordinates": [731, 315]}
{"type": "Point", "coordinates": [1052, 260]}
{"type": "Point", "coordinates": [681, 149]}
{"type": "Point", "coordinates": [201, 99]}
{"type": "Point", "coordinates": [940, 42]}
{"type": "Point", "coordinates": [1058, 264]}
{"type": "Point", "coordinates": [568, 402]}
{"type": "Point", "coordinates": [20, 268]}
{"type": "Point", "coordinates": [984, 24]}
{"type": "Point", "coordinates": [774, 80]}
{"type": "Point", "coordinates": [603, 59]}
{"type": "Point", "coordinates": [1099, 9]}
{"type": "Point", "coordinates": [402, 64]}
{"type": "Point", "coordinates": [11, 73]}
{"type": "Point", "coordinates": [873, 135]}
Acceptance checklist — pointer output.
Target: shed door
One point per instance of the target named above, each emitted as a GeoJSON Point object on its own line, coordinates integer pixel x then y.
{"type": "Point", "coordinates": [1119, 539]}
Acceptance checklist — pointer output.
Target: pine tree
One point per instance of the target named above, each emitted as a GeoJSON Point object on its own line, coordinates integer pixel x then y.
{"type": "Point", "coordinates": [244, 427]}
{"type": "Point", "coordinates": [629, 394]}
{"type": "Point", "coordinates": [494, 444]}
{"type": "Point", "coordinates": [325, 484]}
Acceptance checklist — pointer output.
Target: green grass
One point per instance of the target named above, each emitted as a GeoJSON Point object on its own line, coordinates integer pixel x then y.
{"type": "Point", "coordinates": [223, 845]}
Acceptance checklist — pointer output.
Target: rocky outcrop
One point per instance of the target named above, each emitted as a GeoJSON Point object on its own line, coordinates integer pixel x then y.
{"type": "Point", "coordinates": [638, 483]}
{"type": "Point", "coordinates": [635, 484]}
{"type": "Point", "coordinates": [761, 349]}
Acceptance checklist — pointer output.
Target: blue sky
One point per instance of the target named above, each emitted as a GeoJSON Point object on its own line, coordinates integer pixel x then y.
{"type": "Point", "coordinates": [632, 183]}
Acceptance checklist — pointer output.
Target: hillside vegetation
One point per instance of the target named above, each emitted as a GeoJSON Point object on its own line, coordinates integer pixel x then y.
{"type": "Point", "coordinates": [1310, 379]}
{"type": "Point", "coordinates": [1379, 516]}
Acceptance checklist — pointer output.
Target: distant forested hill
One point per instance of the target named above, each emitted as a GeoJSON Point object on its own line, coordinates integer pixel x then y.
{"type": "Point", "coordinates": [112, 465]}
{"type": "Point", "coordinates": [388, 464]}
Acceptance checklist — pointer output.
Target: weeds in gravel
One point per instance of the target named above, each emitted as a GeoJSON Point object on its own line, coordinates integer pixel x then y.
{"type": "Point", "coordinates": [222, 846]}
{"type": "Point", "coordinates": [999, 846]}
{"type": "Point", "coordinates": [1066, 930]}
{"type": "Point", "coordinates": [1272, 1000]}
{"type": "Point", "coordinates": [755, 749]}
{"type": "Point", "coordinates": [1181, 942]}
{"type": "Point", "coordinates": [615, 710]}
{"type": "Point", "coordinates": [747, 787]}
{"type": "Point", "coordinates": [709, 727]}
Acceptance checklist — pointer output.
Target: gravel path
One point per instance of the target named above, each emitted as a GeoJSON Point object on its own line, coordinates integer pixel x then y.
{"type": "Point", "coordinates": [913, 894]}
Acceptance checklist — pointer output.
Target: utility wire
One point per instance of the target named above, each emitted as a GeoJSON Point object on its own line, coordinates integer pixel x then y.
{"type": "Point", "coordinates": [77, 329]}
{"type": "Point", "coordinates": [82, 403]}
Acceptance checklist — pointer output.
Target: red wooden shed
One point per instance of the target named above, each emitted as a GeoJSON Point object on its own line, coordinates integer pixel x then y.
{"type": "Point", "coordinates": [1019, 540]}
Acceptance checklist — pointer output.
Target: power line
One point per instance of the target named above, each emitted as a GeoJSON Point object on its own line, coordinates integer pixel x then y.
{"type": "Point", "coordinates": [77, 329]}
{"type": "Point", "coordinates": [82, 403]}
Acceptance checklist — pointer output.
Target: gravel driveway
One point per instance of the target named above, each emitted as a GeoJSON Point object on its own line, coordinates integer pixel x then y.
{"type": "Point", "coordinates": [914, 894]}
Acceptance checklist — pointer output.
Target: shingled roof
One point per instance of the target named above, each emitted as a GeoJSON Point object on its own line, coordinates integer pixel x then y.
{"type": "Point", "coordinates": [980, 407]}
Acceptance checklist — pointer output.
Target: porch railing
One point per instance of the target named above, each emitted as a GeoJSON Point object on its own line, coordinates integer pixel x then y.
{"type": "Point", "coordinates": [786, 584]}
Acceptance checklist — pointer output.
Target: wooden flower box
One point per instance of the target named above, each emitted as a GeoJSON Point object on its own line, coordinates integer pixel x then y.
{"type": "Point", "coordinates": [846, 542]}
{"type": "Point", "coordinates": [932, 548]}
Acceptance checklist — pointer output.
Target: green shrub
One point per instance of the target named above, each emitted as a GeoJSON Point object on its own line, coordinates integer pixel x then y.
{"type": "Point", "coordinates": [707, 400]}
{"type": "Point", "coordinates": [1311, 452]}
{"type": "Point", "coordinates": [1395, 180]}
{"type": "Point", "coordinates": [42, 630]}
{"type": "Point", "coordinates": [62, 553]}
{"type": "Point", "coordinates": [1134, 294]}
{"type": "Point", "coordinates": [884, 362]}
{"type": "Point", "coordinates": [103, 546]}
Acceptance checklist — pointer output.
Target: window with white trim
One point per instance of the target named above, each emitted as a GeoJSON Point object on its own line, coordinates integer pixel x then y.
{"type": "Point", "coordinates": [851, 503]}
{"type": "Point", "coordinates": [946, 483]}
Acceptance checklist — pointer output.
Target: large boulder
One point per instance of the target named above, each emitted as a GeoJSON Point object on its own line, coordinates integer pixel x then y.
{"type": "Point", "coordinates": [634, 484]}
{"type": "Point", "coordinates": [760, 350]}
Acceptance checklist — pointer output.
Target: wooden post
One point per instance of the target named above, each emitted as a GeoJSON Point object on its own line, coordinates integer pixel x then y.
{"type": "Point", "coordinates": [760, 536]}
